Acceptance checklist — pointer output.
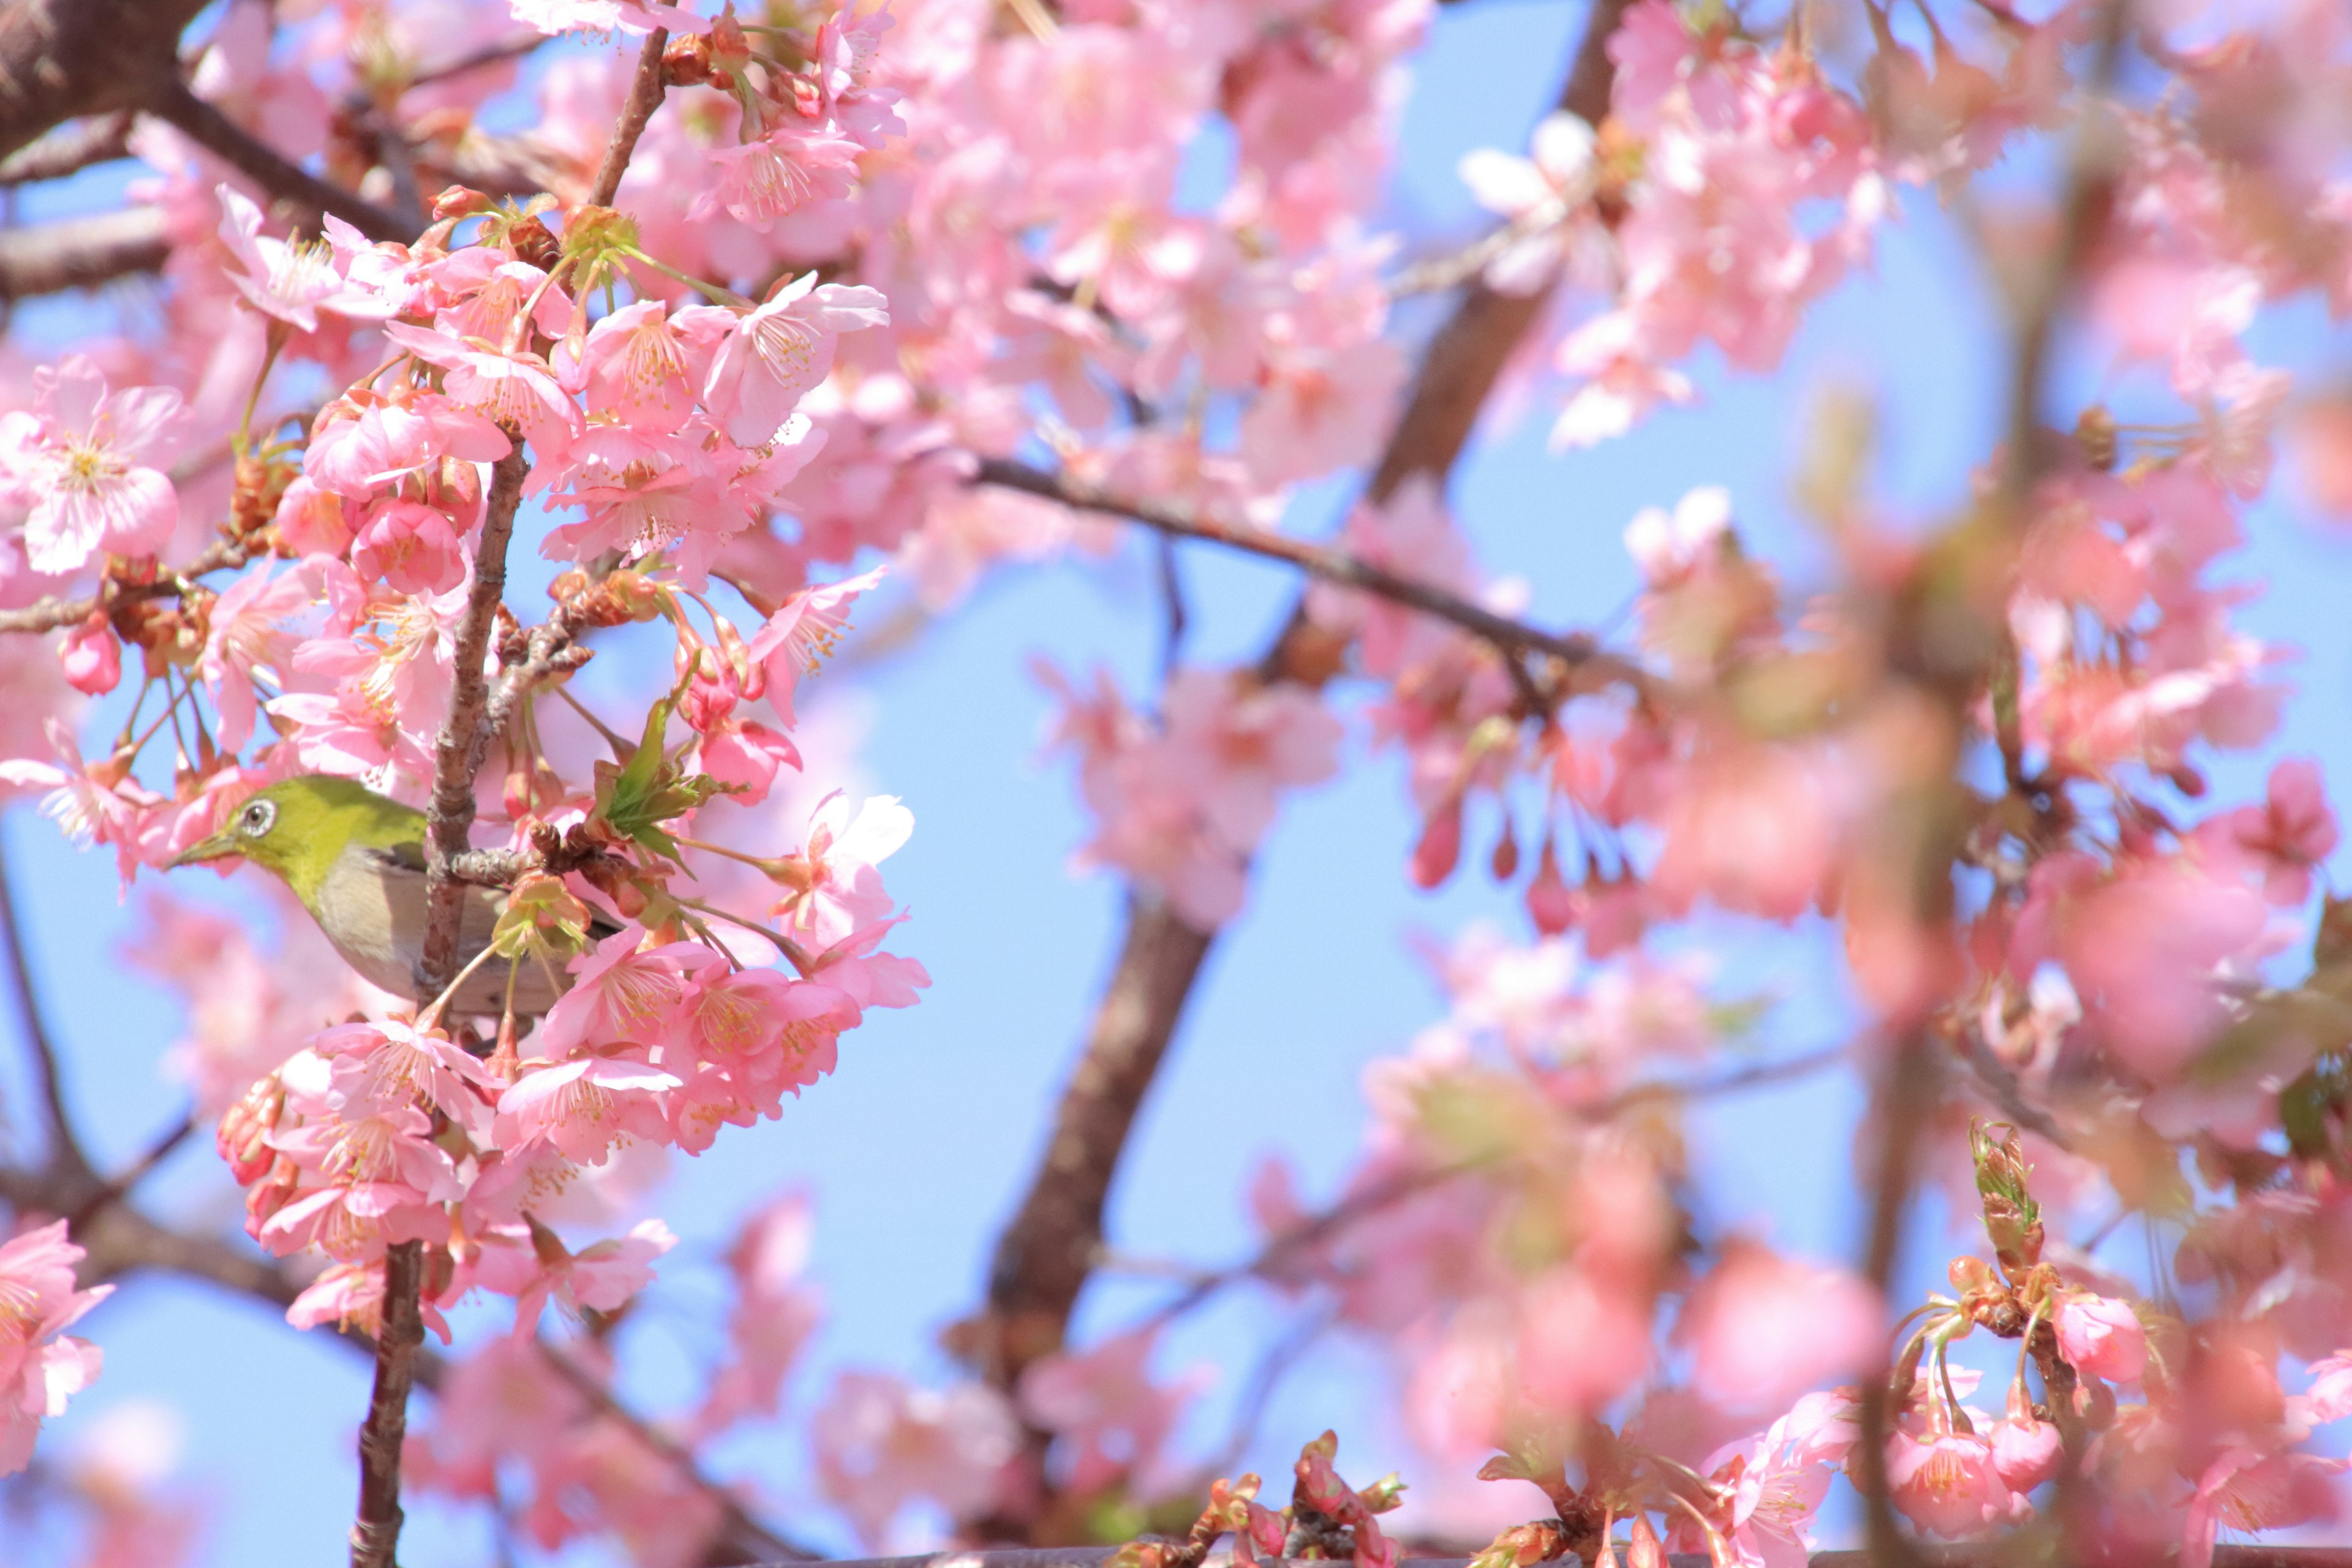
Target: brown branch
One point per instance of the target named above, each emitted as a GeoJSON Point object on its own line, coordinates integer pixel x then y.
{"type": "Point", "coordinates": [376, 1532]}
{"type": "Point", "coordinates": [63, 58]}
{"type": "Point", "coordinates": [742, 1539]}
{"type": "Point", "coordinates": [64, 1149]}
{"type": "Point", "coordinates": [457, 756]}
{"type": "Point", "coordinates": [464, 741]}
{"type": "Point", "coordinates": [293, 186]}
{"type": "Point", "coordinates": [68, 149]}
{"type": "Point", "coordinates": [646, 92]}
{"type": "Point", "coordinates": [1043, 1257]}
{"type": "Point", "coordinates": [81, 252]}
{"type": "Point", "coordinates": [118, 1187]}
{"type": "Point", "coordinates": [1046, 1251]}
{"type": "Point", "coordinates": [53, 614]}
{"type": "Point", "coordinates": [1574, 649]}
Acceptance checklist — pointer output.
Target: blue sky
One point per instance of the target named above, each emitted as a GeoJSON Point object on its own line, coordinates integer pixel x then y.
{"type": "Point", "coordinates": [918, 1146]}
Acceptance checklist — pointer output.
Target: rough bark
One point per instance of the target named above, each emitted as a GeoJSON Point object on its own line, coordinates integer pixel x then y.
{"type": "Point", "coordinates": [63, 58]}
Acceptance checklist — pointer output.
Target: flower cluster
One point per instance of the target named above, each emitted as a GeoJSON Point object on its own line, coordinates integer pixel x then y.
{"type": "Point", "coordinates": [41, 1366]}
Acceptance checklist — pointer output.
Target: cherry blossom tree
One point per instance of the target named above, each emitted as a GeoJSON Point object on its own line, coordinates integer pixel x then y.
{"type": "Point", "coordinates": [777, 329]}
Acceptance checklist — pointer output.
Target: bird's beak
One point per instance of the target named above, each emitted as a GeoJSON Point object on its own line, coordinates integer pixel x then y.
{"type": "Point", "coordinates": [219, 846]}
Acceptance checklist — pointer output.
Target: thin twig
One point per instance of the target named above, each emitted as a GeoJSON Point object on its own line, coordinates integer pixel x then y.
{"type": "Point", "coordinates": [464, 740]}
{"type": "Point", "coordinates": [65, 1149]}
{"type": "Point", "coordinates": [646, 92]}
{"type": "Point", "coordinates": [1273, 1366]}
{"type": "Point", "coordinates": [117, 1186]}
{"type": "Point", "coordinates": [271, 169]}
{"type": "Point", "coordinates": [1573, 650]}
{"type": "Point", "coordinates": [739, 1528]}
{"type": "Point", "coordinates": [49, 615]}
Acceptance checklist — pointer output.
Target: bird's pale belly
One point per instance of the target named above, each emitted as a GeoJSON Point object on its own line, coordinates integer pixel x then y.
{"type": "Point", "coordinates": [374, 915]}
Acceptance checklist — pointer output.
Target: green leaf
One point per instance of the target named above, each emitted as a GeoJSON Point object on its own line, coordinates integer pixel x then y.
{"type": "Point", "coordinates": [636, 797]}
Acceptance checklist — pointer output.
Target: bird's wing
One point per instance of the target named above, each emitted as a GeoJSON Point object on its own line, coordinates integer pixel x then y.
{"type": "Point", "coordinates": [404, 857]}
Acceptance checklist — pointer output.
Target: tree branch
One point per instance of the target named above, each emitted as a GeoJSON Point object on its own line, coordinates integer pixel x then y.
{"type": "Point", "coordinates": [68, 149]}
{"type": "Point", "coordinates": [293, 185]}
{"type": "Point", "coordinates": [81, 252]}
{"type": "Point", "coordinates": [646, 92]}
{"type": "Point", "coordinates": [63, 58]}
{"type": "Point", "coordinates": [457, 756]}
{"type": "Point", "coordinates": [65, 1151]}
{"type": "Point", "coordinates": [1048, 1249]}
{"type": "Point", "coordinates": [1574, 649]}
{"type": "Point", "coordinates": [742, 1539]}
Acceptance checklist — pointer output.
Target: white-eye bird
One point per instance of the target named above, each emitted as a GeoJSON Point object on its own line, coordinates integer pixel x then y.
{"type": "Point", "coordinates": [356, 861]}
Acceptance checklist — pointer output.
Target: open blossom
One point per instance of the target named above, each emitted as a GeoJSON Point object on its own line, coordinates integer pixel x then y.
{"type": "Point", "coordinates": [248, 638]}
{"type": "Point", "coordinates": [87, 464]}
{"type": "Point", "coordinates": [585, 1105]}
{"type": "Point", "coordinates": [835, 885]}
{"type": "Point", "coordinates": [767, 359]}
{"type": "Point", "coordinates": [600, 1277]}
{"type": "Point", "coordinates": [40, 1367]}
{"type": "Point", "coordinates": [762, 181]}
{"type": "Point", "coordinates": [2278, 842]}
{"type": "Point", "coordinates": [1766, 1329]}
{"type": "Point", "coordinates": [882, 1444]}
{"type": "Point", "coordinates": [1947, 1483]}
{"type": "Point", "coordinates": [293, 281]}
{"type": "Point", "coordinates": [1538, 194]}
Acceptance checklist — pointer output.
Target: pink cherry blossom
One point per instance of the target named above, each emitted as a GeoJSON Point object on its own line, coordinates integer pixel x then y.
{"type": "Point", "coordinates": [2102, 1338]}
{"type": "Point", "coordinates": [585, 1105]}
{"type": "Point", "coordinates": [767, 359]}
{"type": "Point", "coordinates": [620, 996]}
{"type": "Point", "coordinates": [1947, 1483]}
{"type": "Point", "coordinates": [289, 280]}
{"type": "Point", "coordinates": [40, 1368]}
{"type": "Point", "coordinates": [88, 465]}
{"type": "Point", "coordinates": [1765, 1329]}
{"type": "Point", "coordinates": [1538, 194]}
{"type": "Point", "coordinates": [2278, 842]}
{"type": "Point", "coordinates": [882, 1444]}
{"type": "Point", "coordinates": [835, 884]}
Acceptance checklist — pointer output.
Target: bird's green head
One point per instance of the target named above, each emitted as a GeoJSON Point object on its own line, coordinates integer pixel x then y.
{"type": "Point", "coordinates": [298, 828]}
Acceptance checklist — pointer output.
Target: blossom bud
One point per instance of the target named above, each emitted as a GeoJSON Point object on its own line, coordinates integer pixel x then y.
{"type": "Point", "coordinates": [1505, 861]}
{"type": "Point", "coordinates": [2101, 1337]}
{"type": "Point", "coordinates": [1440, 849]}
{"type": "Point", "coordinates": [686, 61]}
{"type": "Point", "coordinates": [1552, 904]}
{"type": "Point", "coordinates": [458, 201]}
{"type": "Point", "coordinates": [92, 657]}
{"type": "Point", "coordinates": [310, 521]}
{"type": "Point", "coordinates": [2025, 1450]}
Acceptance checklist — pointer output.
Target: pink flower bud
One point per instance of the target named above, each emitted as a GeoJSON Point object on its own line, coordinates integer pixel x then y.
{"type": "Point", "coordinates": [2025, 1452]}
{"type": "Point", "coordinates": [2102, 1338]}
{"type": "Point", "coordinates": [310, 521]}
{"type": "Point", "coordinates": [1552, 904]}
{"type": "Point", "coordinates": [1440, 849]}
{"type": "Point", "coordinates": [92, 657]}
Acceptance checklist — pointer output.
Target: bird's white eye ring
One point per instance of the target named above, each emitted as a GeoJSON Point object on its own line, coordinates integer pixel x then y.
{"type": "Point", "coordinates": [257, 818]}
